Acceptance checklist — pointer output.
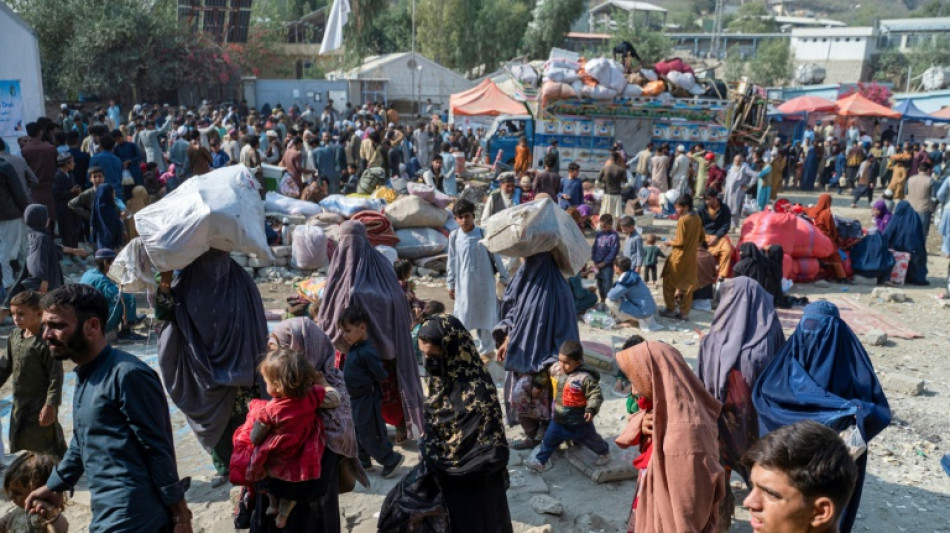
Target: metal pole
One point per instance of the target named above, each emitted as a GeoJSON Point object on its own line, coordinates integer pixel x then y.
{"type": "Point", "coordinates": [907, 89]}
{"type": "Point", "coordinates": [415, 102]}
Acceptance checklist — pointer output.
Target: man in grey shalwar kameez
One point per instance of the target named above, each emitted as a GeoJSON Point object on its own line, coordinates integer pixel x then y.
{"type": "Point", "coordinates": [148, 140]}
{"type": "Point", "coordinates": [470, 277]}
{"type": "Point", "coordinates": [738, 180]}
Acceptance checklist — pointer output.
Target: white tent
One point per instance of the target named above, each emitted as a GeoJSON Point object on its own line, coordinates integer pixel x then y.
{"type": "Point", "coordinates": [429, 80]}
{"type": "Point", "coordinates": [21, 80]}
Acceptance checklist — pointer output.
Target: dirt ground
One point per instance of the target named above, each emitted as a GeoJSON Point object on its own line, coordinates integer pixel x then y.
{"type": "Point", "coordinates": [905, 490]}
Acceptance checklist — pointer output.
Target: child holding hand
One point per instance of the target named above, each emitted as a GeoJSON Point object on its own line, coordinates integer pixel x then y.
{"type": "Point", "coordinates": [27, 473]}
{"type": "Point", "coordinates": [282, 441]}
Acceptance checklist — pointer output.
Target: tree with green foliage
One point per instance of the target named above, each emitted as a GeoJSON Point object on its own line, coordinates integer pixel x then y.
{"type": "Point", "coordinates": [651, 45]}
{"type": "Point", "coordinates": [930, 53]}
{"type": "Point", "coordinates": [735, 65]}
{"type": "Point", "coordinates": [753, 17]}
{"type": "Point", "coordinates": [550, 22]}
{"type": "Point", "coordinates": [772, 63]}
{"type": "Point", "coordinates": [500, 26]}
{"type": "Point", "coordinates": [934, 8]}
{"type": "Point", "coordinates": [890, 66]}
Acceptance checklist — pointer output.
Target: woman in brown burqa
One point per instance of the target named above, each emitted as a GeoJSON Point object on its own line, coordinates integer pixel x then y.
{"type": "Point", "coordinates": [821, 217]}
{"type": "Point", "coordinates": [681, 481]}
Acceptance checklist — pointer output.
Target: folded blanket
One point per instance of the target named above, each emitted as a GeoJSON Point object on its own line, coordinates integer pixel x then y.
{"type": "Point", "coordinates": [378, 228]}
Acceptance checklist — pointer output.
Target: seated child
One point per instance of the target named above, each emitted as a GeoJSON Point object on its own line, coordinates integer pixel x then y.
{"type": "Point", "coordinates": [37, 381]}
{"type": "Point", "coordinates": [584, 298]}
{"type": "Point", "coordinates": [404, 273]}
{"type": "Point", "coordinates": [27, 473]}
{"type": "Point", "coordinates": [577, 400]}
{"type": "Point", "coordinates": [363, 373]}
{"type": "Point", "coordinates": [629, 299]}
{"type": "Point", "coordinates": [282, 441]}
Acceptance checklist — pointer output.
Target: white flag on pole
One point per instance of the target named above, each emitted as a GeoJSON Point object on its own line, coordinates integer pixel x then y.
{"type": "Point", "coordinates": [333, 36]}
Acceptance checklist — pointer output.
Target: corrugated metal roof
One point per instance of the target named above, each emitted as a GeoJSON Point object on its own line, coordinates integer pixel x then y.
{"type": "Point", "coordinates": [921, 24]}
{"type": "Point", "coordinates": [628, 5]}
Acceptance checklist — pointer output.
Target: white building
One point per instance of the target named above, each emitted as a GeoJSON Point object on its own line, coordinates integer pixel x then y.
{"type": "Point", "coordinates": [21, 80]}
{"type": "Point", "coordinates": [614, 14]}
{"type": "Point", "coordinates": [392, 78]}
{"type": "Point", "coordinates": [845, 53]}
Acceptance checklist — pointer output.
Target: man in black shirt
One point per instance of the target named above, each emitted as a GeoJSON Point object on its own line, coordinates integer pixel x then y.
{"type": "Point", "coordinates": [717, 218]}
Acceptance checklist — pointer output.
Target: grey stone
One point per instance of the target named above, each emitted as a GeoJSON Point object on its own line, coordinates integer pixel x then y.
{"type": "Point", "coordinates": [867, 282]}
{"type": "Point", "coordinates": [889, 295]}
{"type": "Point", "coordinates": [241, 260]}
{"type": "Point", "coordinates": [903, 384]}
{"type": "Point", "coordinates": [822, 284]}
{"type": "Point", "coordinates": [875, 337]}
{"type": "Point", "coordinates": [546, 505]}
{"type": "Point", "coordinates": [281, 251]}
{"type": "Point", "coordinates": [281, 261]}
{"type": "Point", "coordinates": [259, 262]}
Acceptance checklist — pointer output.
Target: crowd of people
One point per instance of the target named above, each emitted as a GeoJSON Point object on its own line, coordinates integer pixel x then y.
{"type": "Point", "coordinates": [297, 414]}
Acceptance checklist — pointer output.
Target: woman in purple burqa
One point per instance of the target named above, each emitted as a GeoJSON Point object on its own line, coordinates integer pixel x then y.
{"type": "Point", "coordinates": [744, 336]}
{"type": "Point", "coordinates": [880, 215]}
{"type": "Point", "coordinates": [214, 336]}
{"type": "Point", "coordinates": [359, 274]}
{"type": "Point", "coordinates": [537, 316]}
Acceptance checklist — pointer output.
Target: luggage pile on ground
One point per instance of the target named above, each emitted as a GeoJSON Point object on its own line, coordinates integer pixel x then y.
{"type": "Point", "coordinates": [605, 79]}
{"type": "Point", "coordinates": [802, 242]}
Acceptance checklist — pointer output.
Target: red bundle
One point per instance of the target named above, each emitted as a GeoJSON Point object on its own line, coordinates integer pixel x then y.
{"type": "Point", "coordinates": [378, 228]}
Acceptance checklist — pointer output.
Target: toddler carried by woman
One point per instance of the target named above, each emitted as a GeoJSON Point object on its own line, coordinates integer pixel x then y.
{"type": "Point", "coordinates": [279, 447]}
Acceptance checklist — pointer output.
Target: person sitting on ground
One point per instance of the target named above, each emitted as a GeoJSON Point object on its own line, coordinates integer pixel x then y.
{"type": "Point", "coordinates": [122, 311]}
{"type": "Point", "coordinates": [577, 400]}
{"type": "Point", "coordinates": [824, 220]}
{"type": "Point", "coordinates": [717, 219]}
{"type": "Point", "coordinates": [630, 300]}
{"type": "Point", "coordinates": [27, 473]}
{"type": "Point", "coordinates": [802, 478]}
{"type": "Point", "coordinates": [280, 446]}
{"type": "Point", "coordinates": [363, 374]}
{"type": "Point", "coordinates": [37, 381]}
{"type": "Point", "coordinates": [905, 233]}
{"type": "Point", "coordinates": [584, 297]}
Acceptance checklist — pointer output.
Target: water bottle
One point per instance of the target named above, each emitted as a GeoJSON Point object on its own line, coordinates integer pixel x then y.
{"type": "Point", "coordinates": [285, 236]}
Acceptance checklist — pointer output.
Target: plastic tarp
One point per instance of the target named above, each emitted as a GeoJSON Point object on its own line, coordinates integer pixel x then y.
{"type": "Point", "coordinates": [485, 99]}
{"type": "Point", "coordinates": [943, 113]}
{"type": "Point", "coordinates": [420, 242]}
{"type": "Point", "coordinates": [797, 237]}
{"type": "Point", "coordinates": [220, 210]}
{"type": "Point", "coordinates": [535, 227]}
{"type": "Point", "coordinates": [414, 212]}
{"type": "Point", "coordinates": [347, 207]}
{"type": "Point", "coordinates": [309, 247]}
{"type": "Point", "coordinates": [859, 106]}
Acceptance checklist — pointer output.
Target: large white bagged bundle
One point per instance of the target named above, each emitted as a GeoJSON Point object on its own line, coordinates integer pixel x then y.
{"type": "Point", "coordinates": [683, 80]}
{"type": "Point", "coordinates": [536, 227]}
{"type": "Point", "coordinates": [388, 252]}
{"type": "Point", "coordinates": [429, 194]}
{"type": "Point", "coordinates": [414, 212]}
{"type": "Point", "coordinates": [607, 72]}
{"type": "Point", "coordinates": [525, 74]}
{"type": "Point", "coordinates": [561, 71]}
{"type": "Point", "coordinates": [341, 205]}
{"type": "Point", "coordinates": [221, 209]}
{"type": "Point", "coordinates": [632, 90]}
{"type": "Point", "coordinates": [598, 92]}
{"type": "Point", "coordinates": [309, 247]}
{"type": "Point", "coordinates": [132, 269]}
{"type": "Point", "coordinates": [278, 203]}
{"type": "Point", "coordinates": [420, 242]}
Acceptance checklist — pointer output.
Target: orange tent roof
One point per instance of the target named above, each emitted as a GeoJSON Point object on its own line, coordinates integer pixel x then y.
{"type": "Point", "coordinates": [806, 104]}
{"type": "Point", "coordinates": [485, 99]}
{"type": "Point", "coordinates": [943, 113]}
{"type": "Point", "coordinates": [859, 106]}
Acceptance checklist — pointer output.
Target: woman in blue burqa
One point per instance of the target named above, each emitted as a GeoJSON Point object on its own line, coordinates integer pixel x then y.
{"type": "Point", "coordinates": [744, 337]}
{"type": "Point", "coordinates": [537, 316]}
{"type": "Point", "coordinates": [214, 336]}
{"type": "Point", "coordinates": [905, 233]}
{"type": "Point", "coordinates": [810, 168]}
{"type": "Point", "coordinates": [824, 374]}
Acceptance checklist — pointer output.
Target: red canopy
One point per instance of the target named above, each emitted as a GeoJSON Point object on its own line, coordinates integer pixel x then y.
{"type": "Point", "coordinates": [943, 113]}
{"type": "Point", "coordinates": [806, 104]}
{"type": "Point", "coordinates": [859, 106]}
{"type": "Point", "coordinates": [485, 99]}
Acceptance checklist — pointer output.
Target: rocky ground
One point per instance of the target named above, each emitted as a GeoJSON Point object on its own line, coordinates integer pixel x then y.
{"type": "Point", "coordinates": [906, 489]}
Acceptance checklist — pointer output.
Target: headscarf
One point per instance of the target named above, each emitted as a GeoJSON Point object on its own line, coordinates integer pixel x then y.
{"type": "Point", "coordinates": [464, 432]}
{"type": "Point", "coordinates": [42, 261]}
{"type": "Point", "coordinates": [359, 274]}
{"type": "Point", "coordinates": [135, 204]}
{"type": "Point", "coordinates": [213, 345]}
{"type": "Point", "coordinates": [885, 215]}
{"type": "Point", "coordinates": [106, 224]}
{"type": "Point", "coordinates": [304, 336]}
{"type": "Point", "coordinates": [752, 263]}
{"type": "Point", "coordinates": [684, 482]}
{"type": "Point", "coordinates": [905, 233]}
{"type": "Point", "coordinates": [822, 218]}
{"type": "Point", "coordinates": [537, 315]}
{"type": "Point", "coordinates": [745, 334]}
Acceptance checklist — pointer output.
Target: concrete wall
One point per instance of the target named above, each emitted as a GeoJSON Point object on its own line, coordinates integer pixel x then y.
{"type": "Point", "coordinates": [21, 62]}
{"type": "Point", "coordinates": [827, 47]}
{"type": "Point", "coordinates": [300, 92]}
